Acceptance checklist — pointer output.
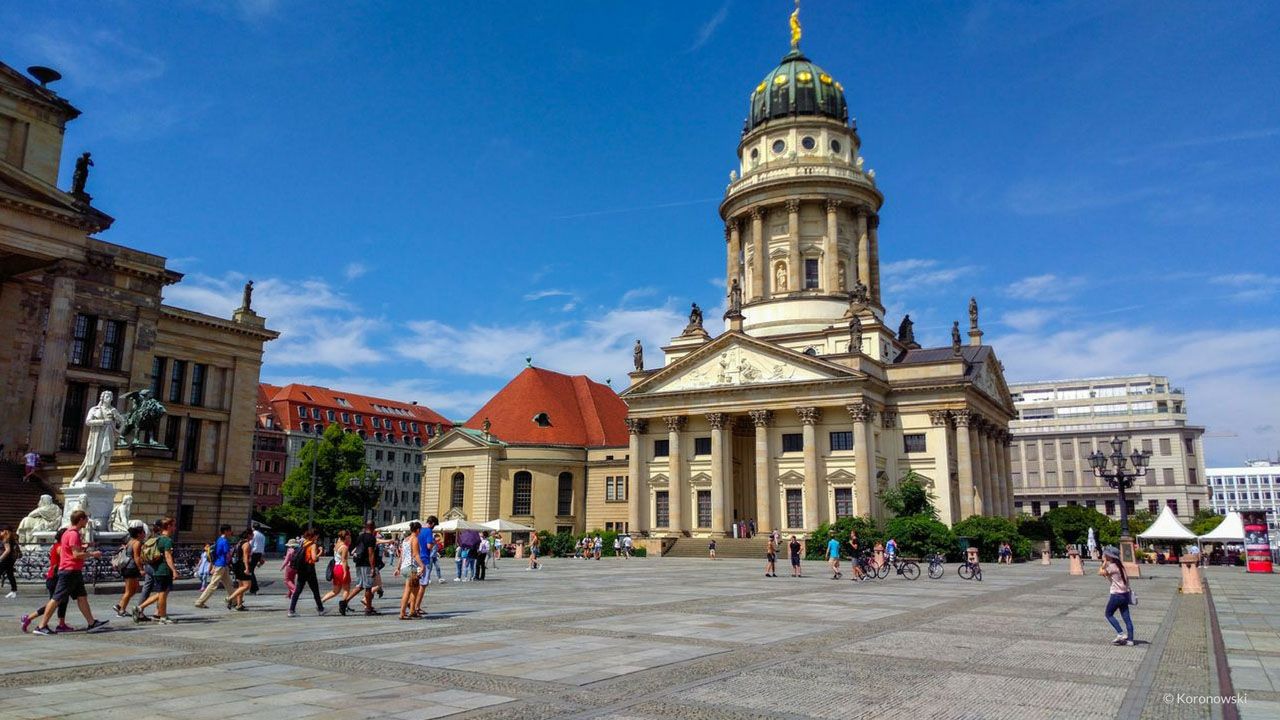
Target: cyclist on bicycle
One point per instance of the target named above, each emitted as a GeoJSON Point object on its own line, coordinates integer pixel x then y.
{"type": "Point", "coordinates": [891, 550]}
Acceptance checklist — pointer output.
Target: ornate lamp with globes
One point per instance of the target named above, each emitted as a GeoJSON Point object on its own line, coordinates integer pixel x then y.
{"type": "Point", "coordinates": [1120, 472]}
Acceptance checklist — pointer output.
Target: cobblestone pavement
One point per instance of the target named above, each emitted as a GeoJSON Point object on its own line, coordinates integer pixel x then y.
{"type": "Point", "coordinates": [652, 638]}
{"type": "Point", "coordinates": [1248, 611]}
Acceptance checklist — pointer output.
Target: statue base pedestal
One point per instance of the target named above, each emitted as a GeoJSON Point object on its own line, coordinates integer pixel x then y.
{"type": "Point", "coordinates": [151, 477]}
{"type": "Point", "coordinates": [97, 499]}
{"type": "Point", "coordinates": [1128, 557]}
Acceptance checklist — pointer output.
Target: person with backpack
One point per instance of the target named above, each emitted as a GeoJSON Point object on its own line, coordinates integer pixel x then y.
{"type": "Point", "coordinates": [482, 556]}
{"type": "Point", "coordinates": [9, 554]}
{"type": "Point", "coordinates": [286, 567]}
{"type": "Point", "coordinates": [365, 558]}
{"type": "Point", "coordinates": [341, 575]}
{"type": "Point", "coordinates": [219, 560]}
{"type": "Point", "coordinates": [304, 564]}
{"type": "Point", "coordinates": [128, 562]}
{"type": "Point", "coordinates": [50, 583]}
{"type": "Point", "coordinates": [157, 552]}
{"type": "Point", "coordinates": [242, 569]}
{"type": "Point", "coordinates": [72, 553]}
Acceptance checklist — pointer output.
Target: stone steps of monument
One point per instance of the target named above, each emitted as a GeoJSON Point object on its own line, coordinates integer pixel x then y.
{"type": "Point", "coordinates": [17, 496]}
{"type": "Point", "coordinates": [752, 548]}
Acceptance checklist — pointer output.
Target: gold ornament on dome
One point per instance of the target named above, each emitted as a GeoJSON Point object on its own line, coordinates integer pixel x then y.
{"type": "Point", "coordinates": [779, 79]}
{"type": "Point", "coordinates": [804, 77]}
{"type": "Point", "coordinates": [760, 88]}
{"type": "Point", "coordinates": [839, 87]}
{"type": "Point", "coordinates": [795, 27]}
{"type": "Point", "coordinates": [825, 78]}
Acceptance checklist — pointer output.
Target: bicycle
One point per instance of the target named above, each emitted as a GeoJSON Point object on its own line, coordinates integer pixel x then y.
{"type": "Point", "coordinates": [863, 563]}
{"type": "Point", "coordinates": [935, 567]}
{"type": "Point", "coordinates": [970, 571]}
{"type": "Point", "coordinates": [906, 568]}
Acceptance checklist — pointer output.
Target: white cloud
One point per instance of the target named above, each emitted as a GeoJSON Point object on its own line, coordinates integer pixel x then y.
{"type": "Point", "coordinates": [355, 270]}
{"type": "Point", "coordinates": [913, 276]}
{"type": "Point", "coordinates": [1028, 320]}
{"type": "Point", "coordinates": [540, 294]}
{"type": "Point", "coordinates": [708, 28]}
{"type": "Point", "coordinates": [1249, 287]}
{"type": "Point", "coordinates": [1044, 288]}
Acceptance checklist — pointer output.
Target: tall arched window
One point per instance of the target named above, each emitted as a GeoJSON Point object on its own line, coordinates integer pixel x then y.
{"type": "Point", "coordinates": [522, 494]}
{"type": "Point", "coordinates": [458, 493]}
{"type": "Point", "coordinates": [564, 495]}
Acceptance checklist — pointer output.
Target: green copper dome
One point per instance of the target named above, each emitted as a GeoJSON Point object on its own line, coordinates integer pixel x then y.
{"type": "Point", "coordinates": [796, 87]}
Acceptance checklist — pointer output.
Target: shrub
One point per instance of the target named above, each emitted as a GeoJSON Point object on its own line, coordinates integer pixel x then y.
{"type": "Point", "coordinates": [869, 533]}
{"type": "Point", "coordinates": [1070, 525]}
{"type": "Point", "coordinates": [986, 534]}
{"type": "Point", "coordinates": [1205, 521]}
{"type": "Point", "coordinates": [909, 497]}
{"type": "Point", "coordinates": [920, 536]}
{"type": "Point", "coordinates": [557, 545]}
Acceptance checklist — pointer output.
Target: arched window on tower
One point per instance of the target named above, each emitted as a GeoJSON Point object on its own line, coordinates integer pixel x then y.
{"type": "Point", "coordinates": [457, 494]}
{"type": "Point", "coordinates": [522, 493]}
{"type": "Point", "coordinates": [564, 494]}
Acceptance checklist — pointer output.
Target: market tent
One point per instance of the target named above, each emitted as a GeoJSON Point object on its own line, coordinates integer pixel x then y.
{"type": "Point", "coordinates": [1167, 527]}
{"type": "Point", "coordinates": [1231, 529]}
{"type": "Point", "coordinates": [456, 525]}
{"type": "Point", "coordinates": [402, 527]}
{"type": "Point", "coordinates": [506, 526]}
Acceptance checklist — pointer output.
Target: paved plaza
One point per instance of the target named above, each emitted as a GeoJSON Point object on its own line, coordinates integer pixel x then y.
{"type": "Point", "coordinates": [669, 638]}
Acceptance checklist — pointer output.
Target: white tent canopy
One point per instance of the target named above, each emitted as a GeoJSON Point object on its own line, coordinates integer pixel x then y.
{"type": "Point", "coordinates": [402, 527]}
{"type": "Point", "coordinates": [506, 526]}
{"type": "Point", "coordinates": [456, 525]}
{"type": "Point", "coordinates": [1231, 529]}
{"type": "Point", "coordinates": [1167, 527]}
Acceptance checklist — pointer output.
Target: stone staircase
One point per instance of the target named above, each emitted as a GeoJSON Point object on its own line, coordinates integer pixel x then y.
{"type": "Point", "coordinates": [17, 497]}
{"type": "Point", "coordinates": [752, 548]}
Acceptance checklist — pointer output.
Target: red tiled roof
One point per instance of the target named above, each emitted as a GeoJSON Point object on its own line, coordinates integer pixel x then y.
{"type": "Point", "coordinates": [582, 413]}
{"type": "Point", "coordinates": [286, 400]}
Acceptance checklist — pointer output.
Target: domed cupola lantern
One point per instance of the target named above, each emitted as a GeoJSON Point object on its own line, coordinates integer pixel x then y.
{"type": "Point", "coordinates": [796, 87]}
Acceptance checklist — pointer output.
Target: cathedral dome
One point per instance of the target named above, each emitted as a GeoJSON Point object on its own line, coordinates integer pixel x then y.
{"type": "Point", "coordinates": [796, 87]}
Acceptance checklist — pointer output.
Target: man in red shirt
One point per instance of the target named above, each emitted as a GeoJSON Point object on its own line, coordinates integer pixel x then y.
{"type": "Point", "coordinates": [70, 583]}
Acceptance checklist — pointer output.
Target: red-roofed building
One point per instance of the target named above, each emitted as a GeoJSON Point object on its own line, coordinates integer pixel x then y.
{"type": "Point", "coordinates": [394, 433]}
{"type": "Point", "coordinates": [269, 456]}
{"type": "Point", "coordinates": [549, 450]}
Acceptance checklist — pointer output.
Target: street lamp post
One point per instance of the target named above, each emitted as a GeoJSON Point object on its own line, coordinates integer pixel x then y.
{"type": "Point", "coordinates": [1114, 468]}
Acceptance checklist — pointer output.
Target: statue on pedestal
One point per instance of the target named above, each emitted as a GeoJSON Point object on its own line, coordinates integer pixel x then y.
{"type": "Point", "coordinates": [637, 356]}
{"type": "Point", "coordinates": [246, 299]}
{"type": "Point", "coordinates": [906, 331]}
{"type": "Point", "coordinates": [973, 313]}
{"type": "Point", "coordinates": [858, 295]}
{"type": "Point", "coordinates": [81, 175]}
{"type": "Point", "coordinates": [695, 320]}
{"type": "Point", "coordinates": [142, 423]}
{"type": "Point", "coordinates": [45, 518]}
{"type": "Point", "coordinates": [735, 298]}
{"type": "Point", "coordinates": [120, 515]}
{"type": "Point", "coordinates": [855, 335]}
{"type": "Point", "coordinates": [104, 423]}
{"type": "Point", "coordinates": [955, 337]}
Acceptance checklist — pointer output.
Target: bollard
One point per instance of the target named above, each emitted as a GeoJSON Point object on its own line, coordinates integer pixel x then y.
{"type": "Point", "coordinates": [1192, 584]}
{"type": "Point", "coordinates": [1074, 562]}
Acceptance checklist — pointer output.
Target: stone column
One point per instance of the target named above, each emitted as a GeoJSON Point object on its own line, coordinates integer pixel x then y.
{"type": "Point", "coordinates": [760, 261]}
{"type": "Point", "coordinates": [997, 474]}
{"type": "Point", "coordinates": [873, 244]}
{"type": "Point", "coordinates": [675, 472]}
{"type": "Point", "coordinates": [831, 250]}
{"type": "Point", "coordinates": [734, 237]}
{"type": "Point", "coordinates": [809, 417]}
{"type": "Point", "coordinates": [864, 253]}
{"type": "Point", "coordinates": [891, 438]}
{"type": "Point", "coordinates": [942, 419]}
{"type": "Point", "coordinates": [764, 470]}
{"type": "Point", "coordinates": [795, 274]}
{"type": "Point", "coordinates": [864, 456]}
{"type": "Point", "coordinates": [982, 467]}
{"type": "Point", "coordinates": [1006, 477]}
{"type": "Point", "coordinates": [637, 498]}
{"type": "Point", "coordinates": [51, 384]}
{"type": "Point", "coordinates": [964, 462]}
{"type": "Point", "coordinates": [720, 448]}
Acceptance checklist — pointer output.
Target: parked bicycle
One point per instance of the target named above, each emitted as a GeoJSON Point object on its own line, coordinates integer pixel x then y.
{"type": "Point", "coordinates": [906, 568]}
{"type": "Point", "coordinates": [936, 569]}
{"type": "Point", "coordinates": [970, 571]}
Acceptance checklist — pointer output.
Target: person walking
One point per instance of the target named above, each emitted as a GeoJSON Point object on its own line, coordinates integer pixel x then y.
{"type": "Point", "coordinates": [32, 459]}
{"type": "Point", "coordinates": [855, 563]}
{"type": "Point", "coordinates": [9, 554]}
{"type": "Point", "coordinates": [131, 571]}
{"type": "Point", "coordinates": [50, 583]}
{"type": "Point", "coordinates": [482, 555]}
{"type": "Point", "coordinates": [259, 548]}
{"type": "Point", "coordinates": [241, 570]}
{"type": "Point", "coordinates": [220, 570]}
{"type": "Point", "coordinates": [533, 551]}
{"type": "Point", "coordinates": [794, 547]}
{"type": "Point", "coordinates": [617, 545]}
{"type": "Point", "coordinates": [1120, 597]}
{"type": "Point", "coordinates": [365, 559]}
{"type": "Point", "coordinates": [286, 567]}
{"type": "Point", "coordinates": [205, 568]}
{"type": "Point", "coordinates": [428, 553]}
{"type": "Point", "coordinates": [833, 556]}
{"type": "Point", "coordinates": [157, 552]}
{"type": "Point", "coordinates": [711, 549]}
{"type": "Point", "coordinates": [409, 564]}
{"type": "Point", "coordinates": [304, 563]}
{"type": "Point", "coordinates": [598, 545]}
{"type": "Point", "coordinates": [495, 548]}
{"type": "Point", "coordinates": [1006, 553]}
{"type": "Point", "coordinates": [891, 550]}
{"type": "Point", "coordinates": [771, 558]}
{"type": "Point", "coordinates": [627, 544]}
{"type": "Point", "coordinates": [72, 552]}
{"type": "Point", "coordinates": [341, 573]}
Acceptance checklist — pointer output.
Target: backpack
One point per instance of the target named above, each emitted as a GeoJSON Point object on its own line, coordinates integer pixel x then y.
{"type": "Point", "coordinates": [121, 559]}
{"type": "Point", "coordinates": [328, 571]}
{"type": "Point", "coordinates": [299, 557]}
{"type": "Point", "coordinates": [151, 554]}
{"type": "Point", "coordinates": [237, 557]}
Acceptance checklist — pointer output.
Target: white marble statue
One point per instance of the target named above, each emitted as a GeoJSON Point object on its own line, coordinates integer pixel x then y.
{"type": "Point", "coordinates": [104, 423]}
{"type": "Point", "coordinates": [45, 518]}
{"type": "Point", "coordinates": [120, 520]}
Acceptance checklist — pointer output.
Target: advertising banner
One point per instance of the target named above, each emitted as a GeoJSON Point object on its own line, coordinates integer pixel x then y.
{"type": "Point", "coordinates": [1257, 545]}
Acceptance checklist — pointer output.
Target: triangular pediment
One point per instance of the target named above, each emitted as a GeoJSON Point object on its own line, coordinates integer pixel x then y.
{"type": "Point", "coordinates": [791, 476]}
{"type": "Point", "coordinates": [457, 439]}
{"type": "Point", "coordinates": [700, 478]}
{"type": "Point", "coordinates": [989, 379]}
{"type": "Point", "coordinates": [735, 359]}
{"type": "Point", "coordinates": [841, 476]}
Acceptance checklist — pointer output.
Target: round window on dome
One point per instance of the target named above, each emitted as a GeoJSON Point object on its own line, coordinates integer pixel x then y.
{"type": "Point", "coordinates": [808, 143]}
{"type": "Point", "coordinates": [779, 79]}
{"type": "Point", "coordinates": [804, 77]}
{"type": "Point", "coordinates": [835, 146]}
{"type": "Point", "coordinates": [755, 153]}
{"type": "Point", "coordinates": [779, 146]}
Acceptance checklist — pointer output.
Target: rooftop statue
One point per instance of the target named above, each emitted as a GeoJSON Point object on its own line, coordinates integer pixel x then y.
{"type": "Point", "coordinates": [906, 331]}
{"type": "Point", "coordinates": [735, 297]}
{"type": "Point", "coordinates": [142, 423]}
{"type": "Point", "coordinates": [955, 337]}
{"type": "Point", "coordinates": [104, 423]}
{"type": "Point", "coordinates": [637, 355]}
{"type": "Point", "coordinates": [973, 313]}
{"type": "Point", "coordinates": [246, 299]}
{"type": "Point", "coordinates": [855, 335]}
{"type": "Point", "coordinates": [81, 174]}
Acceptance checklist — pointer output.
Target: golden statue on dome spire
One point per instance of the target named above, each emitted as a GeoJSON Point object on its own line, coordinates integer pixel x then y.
{"type": "Point", "coordinates": [795, 27]}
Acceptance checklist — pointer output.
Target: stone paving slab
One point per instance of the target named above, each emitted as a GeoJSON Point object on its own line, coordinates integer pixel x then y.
{"type": "Point", "coordinates": [755, 630]}
{"type": "Point", "coordinates": [37, 652]}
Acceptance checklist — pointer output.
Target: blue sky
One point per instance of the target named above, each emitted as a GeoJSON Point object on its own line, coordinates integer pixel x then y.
{"type": "Point", "coordinates": [426, 194]}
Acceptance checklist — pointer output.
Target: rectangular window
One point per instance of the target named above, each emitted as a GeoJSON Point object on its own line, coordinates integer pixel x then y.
{"type": "Point", "coordinates": [186, 517]}
{"type": "Point", "coordinates": [72, 416]}
{"type": "Point", "coordinates": [377, 456]}
{"type": "Point", "coordinates": [1168, 476]}
{"type": "Point", "coordinates": [811, 274]}
{"type": "Point", "coordinates": [795, 508]}
{"type": "Point", "coordinates": [191, 445]}
{"type": "Point", "coordinates": [1166, 448]}
{"type": "Point", "coordinates": [302, 412]}
{"type": "Point", "coordinates": [608, 489]}
{"type": "Point", "coordinates": [177, 379]}
{"type": "Point", "coordinates": [1147, 446]}
{"type": "Point", "coordinates": [661, 448]}
{"type": "Point", "coordinates": [359, 421]}
{"type": "Point", "coordinates": [841, 440]}
{"type": "Point", "coordinates": [662, 509]}
{"type": "Point", "coordinates": [702, 446]}
{"type": "Point", "coordinates": [171, 432]}
{"type": "Point", "coordinates": [83, 334]}
{"type": "Point", "coordinates": [1053, 504]}
{"type": "Point", "coordinates": [1191, 476]}
{"type": "Point", "coordinates": [792, 442]}
{"type": "Point", "coordinates": [1091, 504]}
{"type": "Point", "coordinates": [158, 365]}
{"type": "Point", "coordinates": [1111, 507]}
{"type": "Point", "coordinates": [1195, 505]}
{"type": "Point", "coordinates": [315, 413]}
{"type": "Point", "coordinates": [704, 508]}
{"type": "Point", "coordinates": [112, 345]}
{"type": "Point", "coordinates": [346, 417]}
{"type": "Point", "coordinates": [844, 503]}
{"type": "Point", "coordinates": [1173, 505]}
{"type": "Point", "coordinates": [913, 443]}
{"type": "Point", "coordinates": [1191, 445]}
{"type": "Point", "coordinates": [564, 496]}
{"type": "Point", "coordinates": [330, 415]}
{"type": "Point", "coordinates": [199, 375]}
{"type": "Point", "coordinates": [1153, 506]}
{"type": "Point", "coordinates": [1035, 508]}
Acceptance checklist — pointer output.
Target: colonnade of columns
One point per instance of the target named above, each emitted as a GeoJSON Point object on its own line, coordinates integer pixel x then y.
{"type": "Point", "coordinates": [982, 463]}
{"type": "Point", "coordinates": [762, 284]}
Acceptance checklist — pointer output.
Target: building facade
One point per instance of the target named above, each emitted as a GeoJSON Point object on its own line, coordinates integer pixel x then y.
{"type": "Point", "coordinates": [80, 316]}
{"type": "Point", "coordinates": [394, 434]}
{"type": "Point", "coordinates": [1254, 486]}
{"type": "Point", "coordinates": [1061, 422]}
{"type": "Point", "coordinates": [270, 458]}
{"type": "Point", "coordinates": [548, 451]}
{"type": "Point", "coordinates": [809, 404]}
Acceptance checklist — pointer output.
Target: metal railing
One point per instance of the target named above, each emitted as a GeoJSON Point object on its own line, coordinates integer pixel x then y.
{"type": "Point", "coordinates": [33, 564]}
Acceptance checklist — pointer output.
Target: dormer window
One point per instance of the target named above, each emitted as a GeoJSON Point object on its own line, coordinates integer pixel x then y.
{"type": "Point", "coordinates": [542, 419]}
{"type": "Point", "coordinates": [811, 351]}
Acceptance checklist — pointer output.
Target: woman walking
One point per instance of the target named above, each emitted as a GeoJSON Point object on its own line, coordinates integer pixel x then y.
{"type": "Point", "coordinates": [9, 554]}
{"type": "Point", "coordinates": [290, 575]}
{"type": "Point", "coordinates": [132, 570]}
{"type": "Point", "coordinates": [308, 554]}
{"type": "Point", "coordinates": [242, 568]}
{"type": "Point", "coordinates": [341, 574]}
{"type": "Point", "coordinates": [1121, 595]}
{"type": "Point", "coordinates": [407, 565]}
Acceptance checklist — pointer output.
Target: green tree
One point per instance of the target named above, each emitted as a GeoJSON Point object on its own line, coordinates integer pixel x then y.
{"type": "Point", "coordinates": [910, 497]}
{"type": "Point", "coordinates": [1205, 521]}
{"type": "Point", "coordinates": [869, 533]}
{"type": "Point", "coordinates": [342, 491]}
{"type": "Point", "coordinates": [1070, 525]}
{"type": "Point", "coordinates": [986, 534]}
{"type": "Point", "coordinates": [1140, 521]}
{"type": "Point", "coordinates": [920, 536]}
